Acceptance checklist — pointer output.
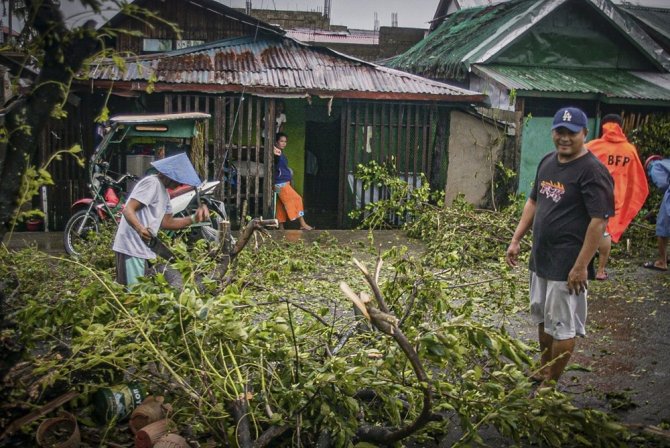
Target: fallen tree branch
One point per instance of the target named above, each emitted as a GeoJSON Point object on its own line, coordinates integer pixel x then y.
{"type": "Point", "coordinates": [387, 323]}
{"type": "Point", "coordinates": [239, 409]}
{"type": "Point", "coordinates": [269, 435]}
{"type": "Point", "coordinates": [248, 231]}
{"type": "Point", "coordinates": [29, 418]}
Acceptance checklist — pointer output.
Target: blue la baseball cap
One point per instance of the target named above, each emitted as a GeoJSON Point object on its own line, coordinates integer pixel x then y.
{"type": "Point", "coordinates": [571, 118]}
{"type": "Point", "coordinates": [178, 168]}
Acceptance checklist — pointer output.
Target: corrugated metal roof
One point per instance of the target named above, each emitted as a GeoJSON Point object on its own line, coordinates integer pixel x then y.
{"type": "Point", "coordinates": [443, 53]}
{"type": "Point", "coordinates": [277, 64]}
{"type": "Point", "coordinates": [477, 35]}
{"type": "Point", "coordinates": [655, 18]}
{"type": "Point", "coordinates": [613, 84]}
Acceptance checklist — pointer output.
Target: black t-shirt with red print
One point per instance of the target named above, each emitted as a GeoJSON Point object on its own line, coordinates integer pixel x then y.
{"type": "Point", "coordinates": [567, 196]}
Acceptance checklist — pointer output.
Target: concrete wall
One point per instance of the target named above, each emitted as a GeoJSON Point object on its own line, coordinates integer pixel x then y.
{"type": "Point", "coordinates": [474, 149]}
{"type": "Point", "coordinates": [291, 19]}
{"type": "Point", "coordinates": [392, 42]}
{"type": "Point", "coordinates": [396, 40]}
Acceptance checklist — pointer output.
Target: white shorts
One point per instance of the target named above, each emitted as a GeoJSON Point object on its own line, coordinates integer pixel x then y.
{"type": "Point", "coordinates": [563, 314]}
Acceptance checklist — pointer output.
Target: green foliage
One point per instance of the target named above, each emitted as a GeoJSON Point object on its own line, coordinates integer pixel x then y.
{"type": "Point", "coordinates": [653, 137]}
{"type": "Point", "coordinates": [399, 201]}
{"type": "Point", "coordinates": [282, 333]}
{"type": "Point", "coordinates": [36, 177]}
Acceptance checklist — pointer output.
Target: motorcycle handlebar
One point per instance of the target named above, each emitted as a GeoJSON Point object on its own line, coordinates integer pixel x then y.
{"type": "Point", "coordinates": [111, 180]}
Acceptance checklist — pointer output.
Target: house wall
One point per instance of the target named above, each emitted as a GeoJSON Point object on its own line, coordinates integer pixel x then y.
{"type": "Point", "coordinates": [391, 42]}
{"type": "Point", "coordinates": [400, 134]}
{"type": "Point", "coordinates": [294, 128]}
{"type": "Point", "coordinates": [498, 96]}
{"type": "Point", "coordinates": [474, 150]}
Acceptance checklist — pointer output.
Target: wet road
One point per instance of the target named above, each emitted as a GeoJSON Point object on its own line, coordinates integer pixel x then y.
{"type": "Point", "coordinates": [52, 242]}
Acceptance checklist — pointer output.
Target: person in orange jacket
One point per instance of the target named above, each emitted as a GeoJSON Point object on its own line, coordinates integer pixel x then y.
{"type": "Point", "coordinates": [630, 183]}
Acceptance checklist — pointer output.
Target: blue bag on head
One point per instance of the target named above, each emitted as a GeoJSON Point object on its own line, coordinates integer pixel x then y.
{"type": "Point", "coordinates": [179, 169]}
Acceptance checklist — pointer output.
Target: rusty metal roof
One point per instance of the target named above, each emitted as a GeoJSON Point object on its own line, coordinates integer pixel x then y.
{"type": "Point", "coordinates": [273, 64]}
{"type": "Point", "coordinates": [611, 85]}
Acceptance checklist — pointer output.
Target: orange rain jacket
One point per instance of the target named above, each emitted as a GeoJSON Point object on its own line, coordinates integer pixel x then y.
{"type": "Point", "coordinates": [630, 183]}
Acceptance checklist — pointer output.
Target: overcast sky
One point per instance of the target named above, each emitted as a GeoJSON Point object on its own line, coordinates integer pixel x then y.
{"type": "Point", "coordinates": [352, 13]}
{"type": "Point", "coordinates": [357, 13]}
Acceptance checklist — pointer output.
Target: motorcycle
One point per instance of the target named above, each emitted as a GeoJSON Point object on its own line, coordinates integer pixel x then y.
{"type": "Point", "coordinates": [107, 193]}
{"type": "Point", "coordinates": [109, 199]}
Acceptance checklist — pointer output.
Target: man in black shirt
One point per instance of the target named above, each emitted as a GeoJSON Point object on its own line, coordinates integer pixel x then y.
{"type": "Point", "coordinates": [568, 208]}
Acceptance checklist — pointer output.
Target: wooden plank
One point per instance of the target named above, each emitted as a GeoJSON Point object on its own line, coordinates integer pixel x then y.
{"type": "Point", "coordinates": [218, 146]}
{"type": "Point", "coordinates": [355, 156]}
{"type": "Point", "coordinates": [247, 156]}
{"type": "Point", "coordinates": [268, 193]}
{"type": "Point", "coordinates": [398, 143]}
{"type": "Point", "coordinates": [431, 143]}
{"type": "Point", "coordinates": [257, 158]}
{"type": "Point", "coordinates": [408, 134]}
{"type": "Point", "coordinates": [345, 122]}
{"type": "Point", "coordinates": [416, 148]}
{"type": "Point", "coordinates": [382, 133]}
{"type": "Point", "coordinates": [375, 129]}
{"type": "Point", "coordinates": [365, 155]}
{"type": "Point", "coordinates": [240, 118]}
{"type": "Point", "coordinates": [209, 148]}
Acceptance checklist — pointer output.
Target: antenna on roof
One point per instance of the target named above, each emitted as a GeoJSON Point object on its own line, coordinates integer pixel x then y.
{"type": "Point", "coordinates": [394, 19]}
{"type": "Point", "coordinates": [248, 6]}
{"type": "Point", "coordinates": [376, 26]}
{"type": "Point", "coordinates": [326, 9]}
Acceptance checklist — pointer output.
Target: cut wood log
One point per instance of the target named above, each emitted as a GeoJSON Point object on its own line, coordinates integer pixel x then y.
{"type": "Point", "coordinates": [149, 435]}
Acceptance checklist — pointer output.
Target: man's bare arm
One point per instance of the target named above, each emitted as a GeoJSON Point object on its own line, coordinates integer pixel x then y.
{"type": "Point", "coordinates": [578, 276]}
{"type": "Point", "coordinates": [525, 223]}
{"type": "Point", "coordinates": [130, 213]}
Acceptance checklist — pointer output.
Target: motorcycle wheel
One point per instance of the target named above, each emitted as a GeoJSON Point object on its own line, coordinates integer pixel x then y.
{"type": "Point", "coordinates": [73, 240]}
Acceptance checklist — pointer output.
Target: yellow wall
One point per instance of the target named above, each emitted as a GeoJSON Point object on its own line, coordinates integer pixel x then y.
{"type": "Point", "coordinates": [295, 150]}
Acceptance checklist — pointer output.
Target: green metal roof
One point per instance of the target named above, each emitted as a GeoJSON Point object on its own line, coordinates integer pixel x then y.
{"type": "Point", "coordinates": [541, 33]}
{"type": "Point", "coordinates": [656, 19]}
{"type": "Point", "coordinates": [615, 86]}
{"type": "Point", "coordinates": [442, 53]}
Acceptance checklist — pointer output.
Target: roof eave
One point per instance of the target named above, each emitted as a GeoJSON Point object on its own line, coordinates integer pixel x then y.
{"type": "Point", "coordinates": [603, 98]}
{"type": "Point", "coordinates": [634, 33]}
{"type": "Point", "coordinates": [140, 86]}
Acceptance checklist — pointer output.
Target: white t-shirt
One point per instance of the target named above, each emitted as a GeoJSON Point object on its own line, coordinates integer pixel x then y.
{"type": "Point", "coordinates": [281, 119]}
{"type": "Point", "coordinates": [152, 194]}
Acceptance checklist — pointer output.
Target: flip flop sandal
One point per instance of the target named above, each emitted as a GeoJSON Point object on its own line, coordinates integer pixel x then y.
{"type": "Point", "coordinates": [653, 267]}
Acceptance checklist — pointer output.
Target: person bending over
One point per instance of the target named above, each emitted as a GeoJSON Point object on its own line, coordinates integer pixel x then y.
{"type": "Point", "coordinates": [147, 210]}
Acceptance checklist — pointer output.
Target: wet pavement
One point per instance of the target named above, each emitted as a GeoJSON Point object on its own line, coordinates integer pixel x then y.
{"type": "Point", "coordinates": [52, 242]}
{"type": "Point", "coordinates": [49, 242]}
